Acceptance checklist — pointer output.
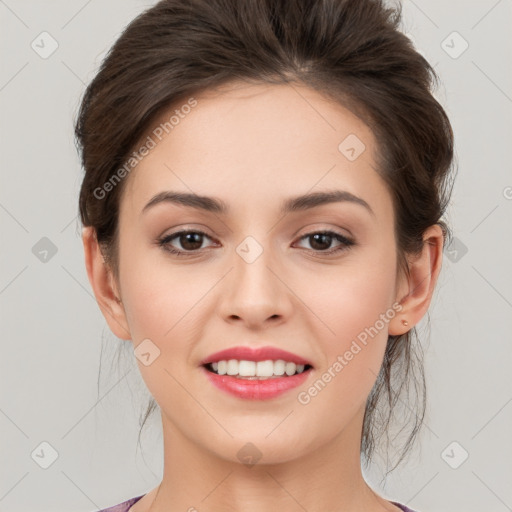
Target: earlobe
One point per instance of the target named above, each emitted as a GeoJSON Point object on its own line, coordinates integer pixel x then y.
{"type": "Point", "coordinates": [424, 270]}
{"type": "Point", "coordinates": [103, 285]}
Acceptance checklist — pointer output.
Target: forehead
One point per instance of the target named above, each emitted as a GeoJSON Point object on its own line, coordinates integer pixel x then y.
{"type": "Point", "coordinates": [257, 142]}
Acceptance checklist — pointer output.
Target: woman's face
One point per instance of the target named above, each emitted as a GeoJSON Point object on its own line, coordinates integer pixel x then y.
{"type": "Point", "coordinates": [256, 279]}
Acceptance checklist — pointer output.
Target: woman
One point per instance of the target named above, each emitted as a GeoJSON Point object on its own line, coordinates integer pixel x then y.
{"type": "Point", "coordinates": [262, 201]}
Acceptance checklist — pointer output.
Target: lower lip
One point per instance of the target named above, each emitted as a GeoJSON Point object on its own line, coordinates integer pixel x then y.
{"type": "Point", "coordinates": [256, 389]}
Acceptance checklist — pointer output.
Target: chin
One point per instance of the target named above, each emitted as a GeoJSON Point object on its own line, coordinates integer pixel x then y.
{"type": "Point", "coordinates": [258, 450]}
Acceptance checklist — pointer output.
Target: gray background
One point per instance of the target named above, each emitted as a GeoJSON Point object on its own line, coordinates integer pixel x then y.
{"type": "Point", "coordinates": [52, 328]}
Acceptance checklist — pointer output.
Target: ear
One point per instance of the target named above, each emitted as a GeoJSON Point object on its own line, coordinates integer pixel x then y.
{"type": "Point", "coordinates": [104, 286]}
{"type": "Point", "coordinates": [415, 291]}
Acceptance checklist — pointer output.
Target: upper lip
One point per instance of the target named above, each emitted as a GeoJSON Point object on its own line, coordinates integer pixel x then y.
{"type": "Point", "coordinates": [254, 354]}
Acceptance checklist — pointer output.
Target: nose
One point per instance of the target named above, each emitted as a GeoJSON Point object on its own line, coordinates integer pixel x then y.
{"type": "Point", "coordinates": [255, 294]}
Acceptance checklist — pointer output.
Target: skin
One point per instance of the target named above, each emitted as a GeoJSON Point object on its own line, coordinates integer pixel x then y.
{"type": "Point", "coordinates": [253, 146]}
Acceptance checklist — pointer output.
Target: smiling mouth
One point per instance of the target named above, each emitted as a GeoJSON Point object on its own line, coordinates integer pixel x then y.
{"type": "Point", "coordinates": [261, 370]}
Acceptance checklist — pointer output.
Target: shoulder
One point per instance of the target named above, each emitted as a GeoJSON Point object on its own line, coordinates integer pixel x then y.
{"type": "Point", "coordinates": [122, 507]}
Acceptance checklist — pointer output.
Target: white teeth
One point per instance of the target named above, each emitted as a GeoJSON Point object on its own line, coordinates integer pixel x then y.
{"type": "Point", "coordinates": [290, 368]}
{"type": "Point", "coordinates": [279, 367]}
{"type": "Point", "coordinates": [265, 368]}
{"type": "Point", "coordinates": [222, 367]}
{"type": "Point", "coordinates": [246, 368]}
{"type": "Point", "coordinates": [232, 367]}
{"type": "Point", "coordinates": [259, 369]}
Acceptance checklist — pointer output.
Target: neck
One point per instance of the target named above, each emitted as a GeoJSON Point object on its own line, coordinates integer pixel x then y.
{"type": "Point", "coordinates": [326, 478]}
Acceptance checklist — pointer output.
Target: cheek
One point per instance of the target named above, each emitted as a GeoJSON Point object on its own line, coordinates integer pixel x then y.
{"type": "Point", "coordinates": [354, 303]}
{"type": "Point", "coordinates": [162, 298]}
{"type": "Point", "coordinates": [350, 297]}
{"type": "Point", "coordinates": [358, 313]}
{"type": "Point", "coordinates": [163, 305]}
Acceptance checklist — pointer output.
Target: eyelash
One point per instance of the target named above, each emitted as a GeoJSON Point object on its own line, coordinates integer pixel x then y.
{"type": "Point", "coordinates": [345, 243]}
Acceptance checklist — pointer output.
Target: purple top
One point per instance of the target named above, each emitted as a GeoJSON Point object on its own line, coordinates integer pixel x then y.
{"type": "Point", "coordinates": [122, 507]}
{"type": "Point", "coordinates": [125, 506]}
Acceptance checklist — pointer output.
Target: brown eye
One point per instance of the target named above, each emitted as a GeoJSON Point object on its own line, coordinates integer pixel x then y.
{"type": "Point", "coordinates": [321, 241]}
{"type": "Point", "coordinates": [189, 242]}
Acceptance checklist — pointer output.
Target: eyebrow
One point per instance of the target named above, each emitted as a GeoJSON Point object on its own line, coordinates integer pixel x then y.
{"type": "Point", "coordinates": [293, 204]}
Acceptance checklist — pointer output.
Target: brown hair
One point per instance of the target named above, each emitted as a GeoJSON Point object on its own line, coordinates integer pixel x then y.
{"type": "Point", "coordinates": [352, 51]}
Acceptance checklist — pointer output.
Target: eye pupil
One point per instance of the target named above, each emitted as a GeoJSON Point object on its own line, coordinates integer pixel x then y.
{"type": "Point", "coordinates": [321, 238]}
{"type": "Point", "coordinates": [191, 238]}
